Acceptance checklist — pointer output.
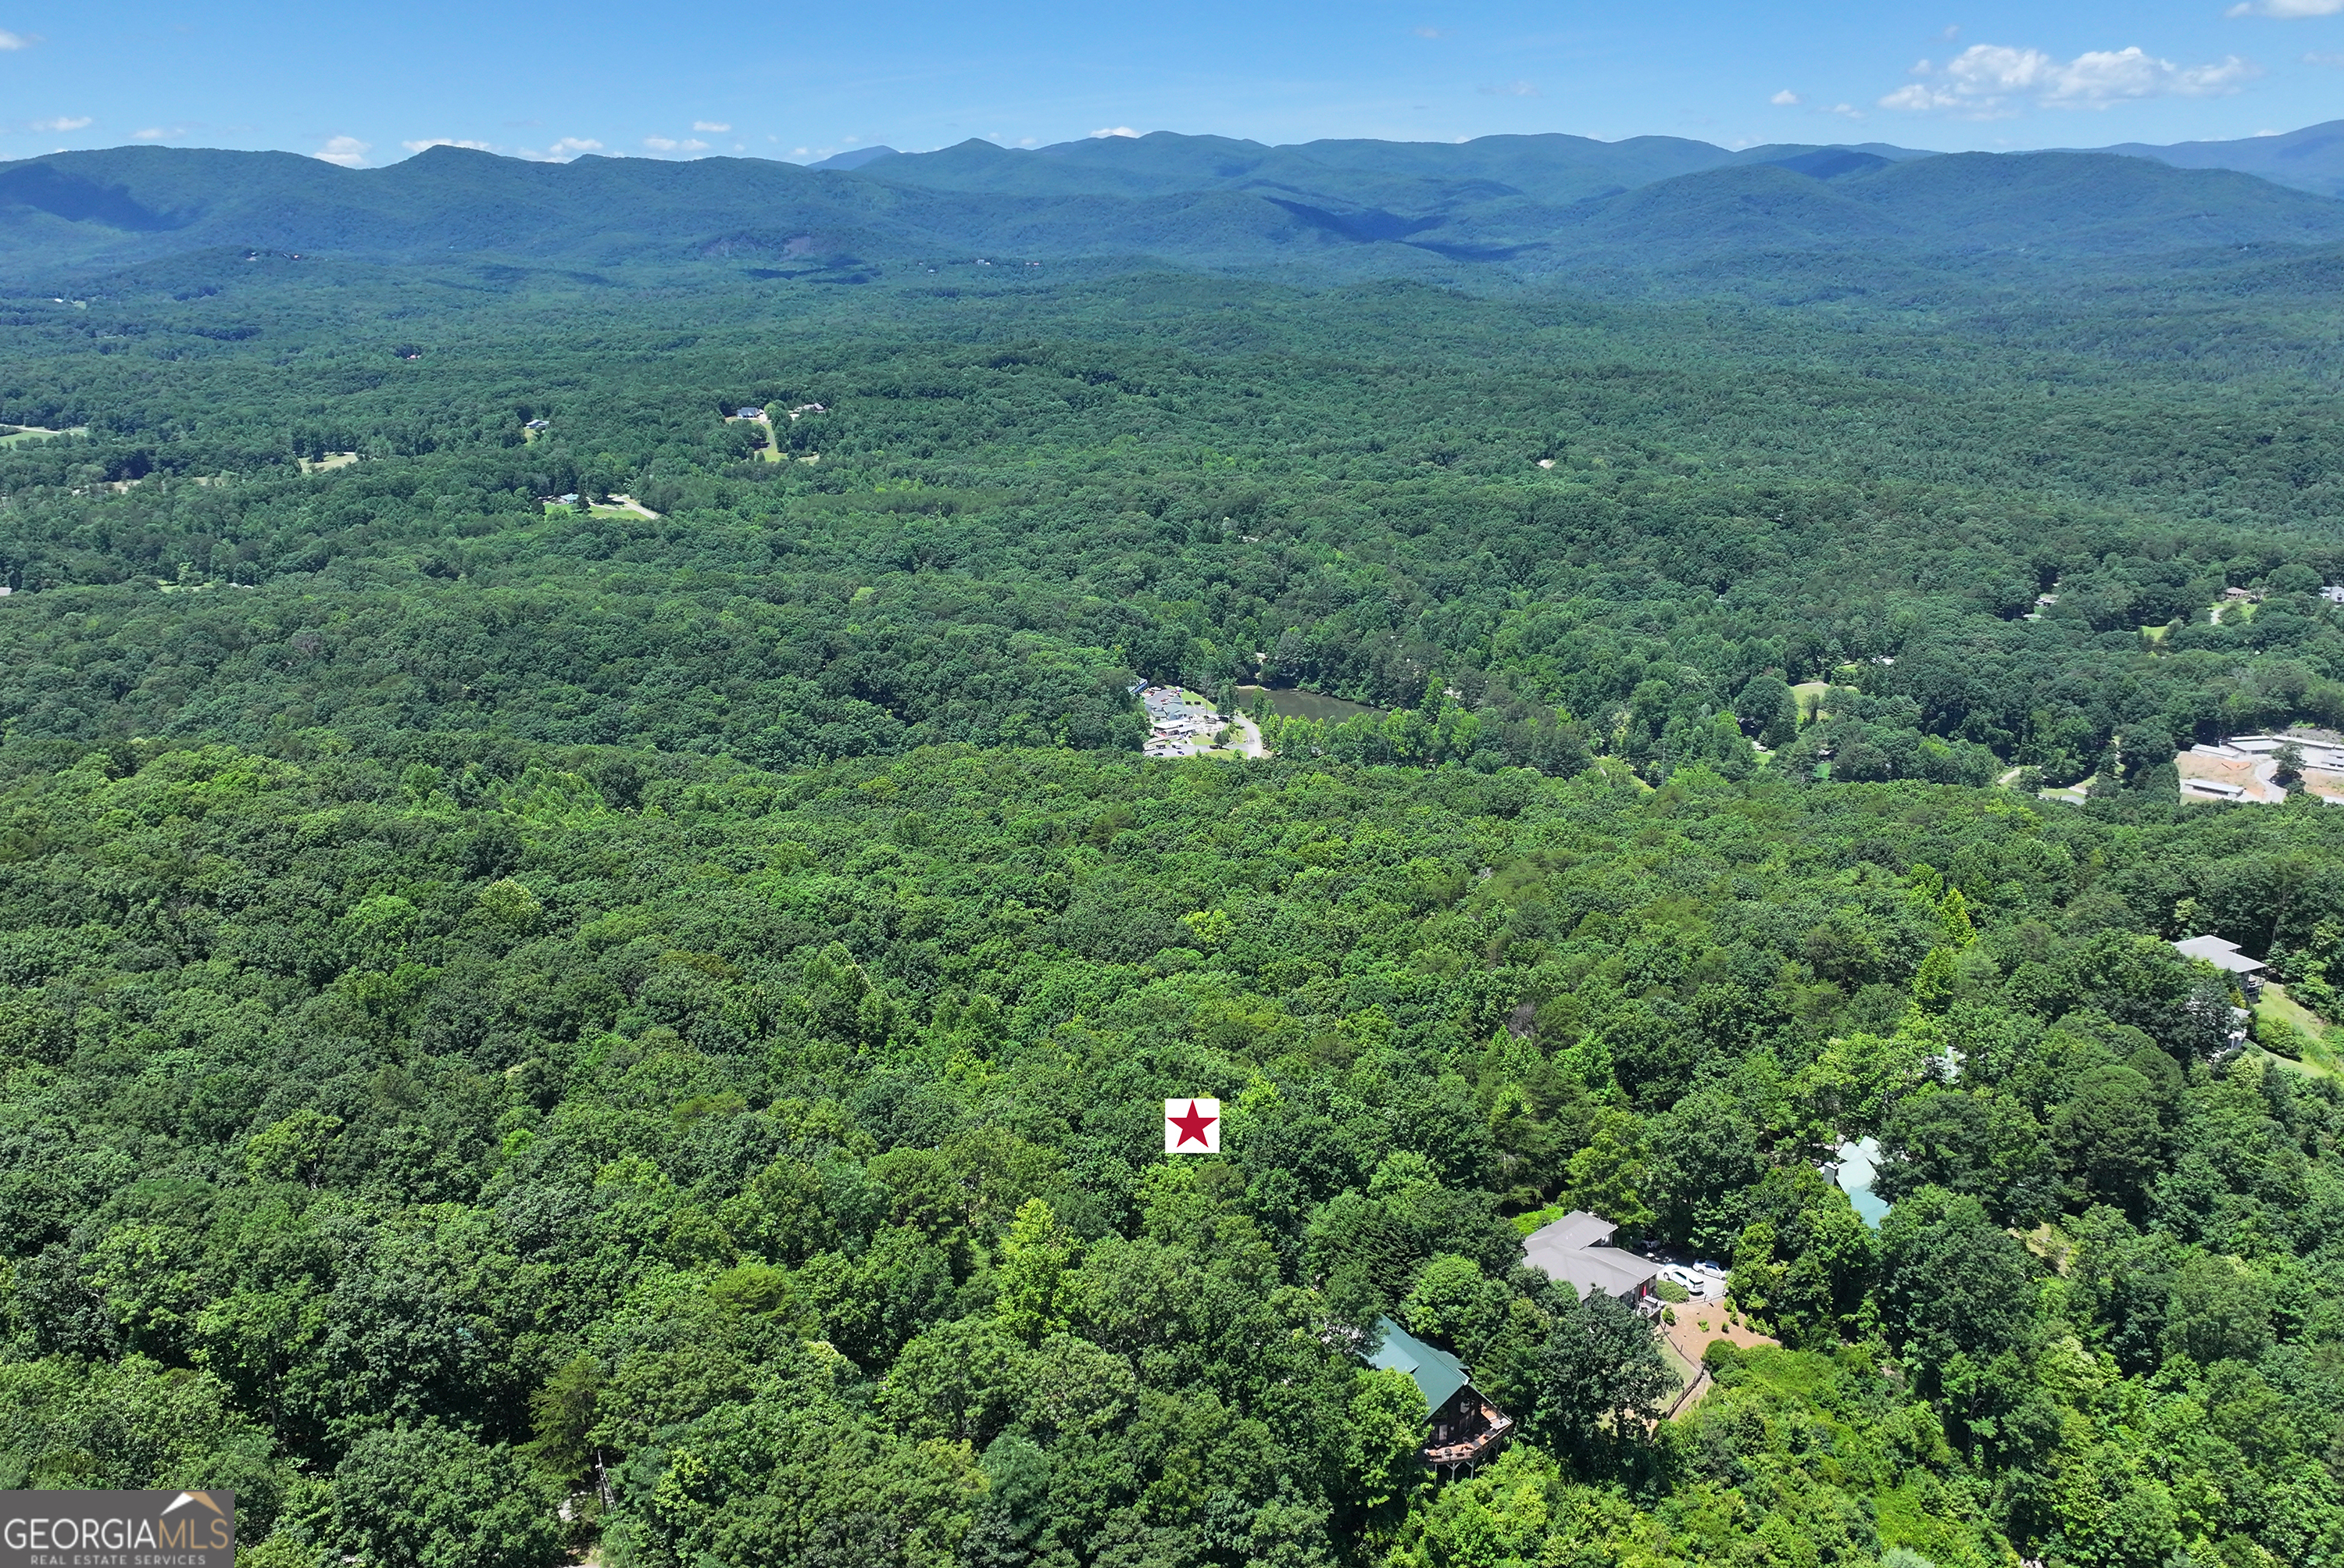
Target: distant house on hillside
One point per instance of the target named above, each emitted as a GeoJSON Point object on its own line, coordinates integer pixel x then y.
{"type": "Point", "coordinates": [1466, 1427]}
{"type": "Point", "coordinates": [1575, 1249]}
{"type": "Point", "coordinates": [2226, 957]}
{"type": "Point", "coordinates": [750, 414]}
{"type": "Point", "coordinates": [537, 425]}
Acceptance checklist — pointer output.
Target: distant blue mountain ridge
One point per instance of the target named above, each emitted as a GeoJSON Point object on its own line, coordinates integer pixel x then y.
{"type": "Point", "coordinates": [1504, 204]}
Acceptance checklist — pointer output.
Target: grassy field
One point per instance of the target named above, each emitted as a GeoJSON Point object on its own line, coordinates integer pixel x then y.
{"type": "Point", "coordinates": [21, 434]}
{"type": "Point", "coordinates": [2320, 1056]}
{"type": "Point", "coordinates": [562, 508]}
{"type": "Point", "coordinates": [1688, 1372]}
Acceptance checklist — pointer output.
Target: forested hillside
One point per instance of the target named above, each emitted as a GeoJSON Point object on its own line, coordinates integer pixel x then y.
{"type": "Point", "coordinates": [1599, 524]}
{"type": "Point", "coordinates": [583, 974]}
{"type": "Point", "coordinates": [767, 1161]}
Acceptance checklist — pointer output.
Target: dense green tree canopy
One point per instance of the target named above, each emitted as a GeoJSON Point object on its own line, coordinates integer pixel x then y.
{"type": "Point", "coordinates": [638, 1023]}
{"type": "Point", "coordinates": [777, 1151]}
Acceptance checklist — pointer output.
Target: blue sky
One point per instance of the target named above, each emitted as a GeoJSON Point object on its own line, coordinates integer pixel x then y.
{"type": "Point", "coordinates": [546, 79]}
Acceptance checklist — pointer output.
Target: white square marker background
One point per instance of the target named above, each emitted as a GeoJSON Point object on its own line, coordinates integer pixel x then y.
{"type": "Point", "coordinates": [1182, 1131]}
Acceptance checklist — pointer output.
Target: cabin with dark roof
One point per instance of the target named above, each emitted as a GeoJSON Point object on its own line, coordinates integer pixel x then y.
{"type": "Point", "coordinates": [1466, 1429]}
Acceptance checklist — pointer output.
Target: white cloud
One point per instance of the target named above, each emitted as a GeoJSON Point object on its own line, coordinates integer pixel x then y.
{"type": "Point", "coordinates": [446, 142]}
{"type": "Point", "coordinates": [1989, 81]}
{"type": "Point", "coordinates": [2318, 59]}
{"type": "Point", "coordinates": [1511, 90]}
{"type": "Point", "coordinates": [61, 123]}
{"type": "Point", "coordinates": [562, 151]}
{"type": "Point", "coordinates": [1114, 131]}
{"type": "Point", "coordinates": [17, 40]}
{"type": "Point", "coordinates": [2286, 10]}
{"type": "Point", "coordinates": [2107, 76]}
{"type": "Point", "coordinates": [669, 145]}
{"type": "Point", "coordinates": [709, 126]}
{"type": "Point", "coordinates": [347, 151]}
{"type": "Point", "coordinates": [1787, 99]}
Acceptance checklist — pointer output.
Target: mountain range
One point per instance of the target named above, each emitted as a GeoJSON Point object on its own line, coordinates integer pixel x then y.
{"type": "Point", "coordinates": [1551, 167]}
{"type": "Point", "coordinates": [1528, 205]}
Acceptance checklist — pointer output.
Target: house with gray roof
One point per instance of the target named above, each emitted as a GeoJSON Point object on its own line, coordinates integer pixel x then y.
{"type": "Point", "coordinates": [1575, 1249]}
{"type": "Point", "coordinates": [2226, 957]}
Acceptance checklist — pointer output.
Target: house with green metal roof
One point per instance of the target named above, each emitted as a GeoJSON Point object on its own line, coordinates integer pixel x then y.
{"type": "Point", "coordinates": [1465, 1428]}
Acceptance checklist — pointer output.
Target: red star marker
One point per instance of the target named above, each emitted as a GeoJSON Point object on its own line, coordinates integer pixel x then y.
{"type": "Point", "coordinates": [1193, 1125]}
{"type": "Point", "coordinates": [1196, 1130]}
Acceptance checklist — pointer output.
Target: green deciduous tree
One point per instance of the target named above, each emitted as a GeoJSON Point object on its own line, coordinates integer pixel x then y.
{"type": "Point", "coordinates": [1802, 1265]}
{"type": "Point", "coordinates": [1029, 1279]}
{"type": "Point", "coordinates": [1599, 1380]}
{"type": "Point", "coordinates": [1384, 1436]}
{"type": "Point", "coordinates": [428, 1496]}
{"type": "Point", "coordinates": [1952, 1282]}
{"type": "Point", "coordinates": [2108, 1138]}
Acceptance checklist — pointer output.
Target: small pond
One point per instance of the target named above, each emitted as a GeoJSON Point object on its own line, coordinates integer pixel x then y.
{"type": "Point", "coordinates": [1293, 703]}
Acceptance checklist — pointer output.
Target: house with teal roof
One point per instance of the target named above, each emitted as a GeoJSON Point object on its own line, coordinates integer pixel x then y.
{"type": "Point", "coordinates": [1465, 1428]}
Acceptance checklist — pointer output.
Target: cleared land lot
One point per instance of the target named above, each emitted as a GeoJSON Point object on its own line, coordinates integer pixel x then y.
{"type": "Point", "coordinates": [19, 435]}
